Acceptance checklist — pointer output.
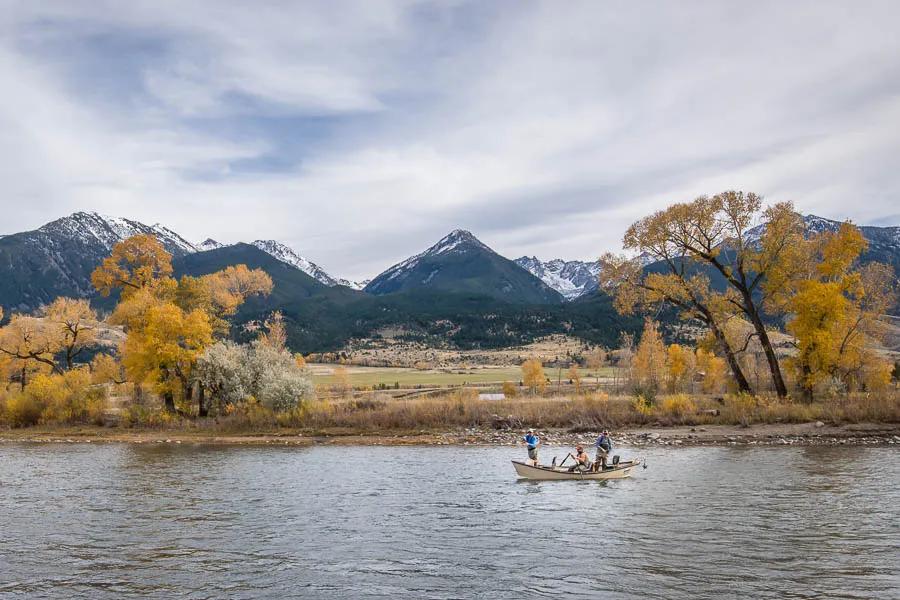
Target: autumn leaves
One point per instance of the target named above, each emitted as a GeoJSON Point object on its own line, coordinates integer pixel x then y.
{"type": "Point", "coordinates": [737, 285]}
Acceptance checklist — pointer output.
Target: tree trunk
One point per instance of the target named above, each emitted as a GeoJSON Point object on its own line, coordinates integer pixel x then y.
{"type": "Point", "coordinates": [202, 409]}
{"type": "Point", "coordinates": [766, 343]}
{"type": "Point", "coordinates": [731, 359]}
{"type": "Point", "coordinates": [169, 399]}
{"type": "Point", "coordinates": [24, 377]}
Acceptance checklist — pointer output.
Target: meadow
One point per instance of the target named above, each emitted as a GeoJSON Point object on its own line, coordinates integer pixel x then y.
{"type": "Point", "coordinates": [325, 375]}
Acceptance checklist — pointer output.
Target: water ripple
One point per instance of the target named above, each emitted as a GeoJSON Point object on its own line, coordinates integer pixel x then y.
{"type": "Point", "coordinates": [117, 521]}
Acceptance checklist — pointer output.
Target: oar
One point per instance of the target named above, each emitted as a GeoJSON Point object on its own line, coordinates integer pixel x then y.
{"type": "Point", "coordinates": [569, 455]}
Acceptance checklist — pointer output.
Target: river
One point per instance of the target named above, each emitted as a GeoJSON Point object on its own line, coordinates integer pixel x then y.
{"type": "Point", "coordinates": [163, 521]}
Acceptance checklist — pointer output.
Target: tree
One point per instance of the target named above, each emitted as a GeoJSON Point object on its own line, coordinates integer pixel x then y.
{"type": "Point", "coordinates": [575, 377]}
{"type": "Point", "coordinates": [164, 351]}
{"type": "Point", "coordinates": [679, 284]}
{"type": "Point", "coordinates": [30, 346]}
{"type": "Point", "coordinates": [341, 381]}
{"type": "Point", "coordinates": [106, 369]}
{"type": "Point", "coordinates": [74, 325]}
{"type": "Point", "coordinates": [134, 263]}
{"type": "Point", "coordinates": [713, 369]}
{"type": "Point", "coordinates": [681, 365]}
{"type": "Point", "coordinates": [835, 312]}
{"type": "Point", "coordinates": [712, 231]}
{"type": "Point", "coordinates": [533, 375]}
{"type": "Point", "coordinates": [170, 323]}
{"type": "Point", "coordinates": [220, 294]}
{"type": "Point", "coordinates": [275, 335]}
{"type": "Point", "coordinates": [649, 365]}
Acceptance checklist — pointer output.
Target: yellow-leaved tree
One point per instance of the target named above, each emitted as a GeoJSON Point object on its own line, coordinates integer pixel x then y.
{"type": "Point", "coordinates": [836, 310]}
{"type": "Point", "coordinates": [166, 348]}
{"type": "Point", "coordinates": [135, 263]}
{"type": "Point", "coordinates": [713, 370]}
{"type": "Point", "coordinates": [648, 369]}
{"type": "Point", "coordinates": [73, 324]}
{"type": "Point", "coordinates": [170, 323]}
{"type": "Point", "coordinates": [681, 365]}
{"type": "Point", "coordinates": [533, 375]}
{"type": "Point", "coordinates": [29, 347]}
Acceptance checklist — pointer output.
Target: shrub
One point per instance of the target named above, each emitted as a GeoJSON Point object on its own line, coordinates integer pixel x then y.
{"type": "Point", "coordinates": [642, 405]}
{"type": "Point", "coordinates": [68, 398]}
{"type": "Point", "coordinates": [232, 374]}
{"type": "Point", "coordinates": [52, 399]}
{"type": "Point", "coordinates": [22, 410]}
{"type": "Point", "coordinates": [509, 389]}
{"type": "Point", "coordinates": [678, 406]}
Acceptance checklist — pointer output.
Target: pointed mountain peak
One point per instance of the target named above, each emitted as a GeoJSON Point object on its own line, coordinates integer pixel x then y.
{"type": "Point", "coordinates": [209, 244]}
{"type": "Point", "coordinates": [456, 239]}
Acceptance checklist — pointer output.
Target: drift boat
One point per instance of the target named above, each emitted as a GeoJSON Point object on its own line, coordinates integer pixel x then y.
{"type": "Point", "coordinates": [620, 470]}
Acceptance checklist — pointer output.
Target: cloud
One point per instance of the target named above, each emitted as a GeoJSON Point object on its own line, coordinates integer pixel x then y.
{"type": "Point", "coordinates": [360, 132]}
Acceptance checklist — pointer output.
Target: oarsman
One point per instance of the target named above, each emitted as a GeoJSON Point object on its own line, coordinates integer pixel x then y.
{"type": "Point", "coordinates": [532, 441]}
{"type": "Point", "coordinates": [582, 462]}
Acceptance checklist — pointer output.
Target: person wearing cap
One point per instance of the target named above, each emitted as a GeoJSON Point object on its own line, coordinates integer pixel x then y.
{"type": "Point", "coordinates": [532, 441]}
{"type": "Point", "coordinates": [582, 462]}
{"type": "Point", "coordinates": [604, 448]}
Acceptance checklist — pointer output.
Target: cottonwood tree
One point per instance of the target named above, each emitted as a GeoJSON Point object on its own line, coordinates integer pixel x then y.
{"type": "Point", "coordinates": [166, 348]}
{"type": "Point", "coordinates": [135, 263]}
{"type": "Point", "coordinates": [712, 231]}
{"type": "Point", "coordinates": [681, 286]}
{"type": "Point", "coordinates": [648, 370]}
{"type": "Point", "coordinates": [836, 310]}
{"type": "Point", "coordinates": [170, 323]}
{"type": "Point", "coordinates": [275, 334]}
{"type": "Point", "coordinates": [29, 347]}
{"type": "Point", "coordinates": [533, 375]}
{"type": "Point", "coordinates": [73, 323]}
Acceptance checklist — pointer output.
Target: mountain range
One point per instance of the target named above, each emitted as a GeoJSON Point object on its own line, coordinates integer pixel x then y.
{"type": "Point", "coordinates": [457, 291]}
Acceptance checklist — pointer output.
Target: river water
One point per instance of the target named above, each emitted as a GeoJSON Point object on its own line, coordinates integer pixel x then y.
{"type": "Point", "coordinates": [163, 521]}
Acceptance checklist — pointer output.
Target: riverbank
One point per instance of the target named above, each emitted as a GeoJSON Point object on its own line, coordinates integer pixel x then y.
{"type": "Point", "coordinates": [794, 434]}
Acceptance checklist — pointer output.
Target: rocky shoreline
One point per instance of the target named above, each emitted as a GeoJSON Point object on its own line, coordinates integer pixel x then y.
{"type": "Point", "coordinates": [805, 434]}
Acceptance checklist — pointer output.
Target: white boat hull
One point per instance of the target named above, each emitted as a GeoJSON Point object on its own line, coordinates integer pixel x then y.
{"type": "Point", "coordinates": [620, 471]}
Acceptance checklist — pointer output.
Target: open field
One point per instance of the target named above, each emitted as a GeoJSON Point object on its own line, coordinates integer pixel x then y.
{"type": "Point", "coordinates": [389, 350]}
{"type": "Point", "coordinates": [324, 375]}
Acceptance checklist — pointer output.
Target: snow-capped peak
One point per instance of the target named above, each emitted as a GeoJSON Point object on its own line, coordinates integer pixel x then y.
{"type": "Point", "coordinates": [572, 278]}
{"type": "Point", "coordinates": [458, 240]}
{"type": "Point", "coordinates": [354, 285]}
{"type": "Point", "coordinates": [108, 231]}
{"type": "Point", "coordinates": [287, 255]}
{"type": "Point", "coordinates": [209, 244]}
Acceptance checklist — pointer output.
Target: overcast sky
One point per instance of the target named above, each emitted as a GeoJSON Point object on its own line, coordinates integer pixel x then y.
{"type": "Point", "coordinates": [360, 133]}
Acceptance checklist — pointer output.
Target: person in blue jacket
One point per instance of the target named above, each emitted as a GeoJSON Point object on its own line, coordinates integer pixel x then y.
{"type": "Point", "coordinates": [532, 441]}
{"type": "Point", "coordinates": [604, 449]}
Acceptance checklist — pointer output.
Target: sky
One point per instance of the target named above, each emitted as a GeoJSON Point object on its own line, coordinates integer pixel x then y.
{"type": "Point", "coordinates": [361, 132]}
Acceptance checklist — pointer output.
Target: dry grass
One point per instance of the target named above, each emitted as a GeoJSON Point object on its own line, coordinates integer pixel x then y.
{"type": "Point", "coordinates": [463, 409]}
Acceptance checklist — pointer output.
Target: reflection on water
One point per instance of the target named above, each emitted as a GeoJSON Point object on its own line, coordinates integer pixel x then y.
{"type": "Point", "coordinates": [109, 521]}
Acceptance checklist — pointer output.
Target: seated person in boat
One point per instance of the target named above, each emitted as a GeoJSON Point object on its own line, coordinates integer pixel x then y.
{"type": "Point", "coordinates": [582, 462]}
{"type": "Point", "coordinates": [604, 449]}
{"type": "Point", "coordinates": [532, 441]}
